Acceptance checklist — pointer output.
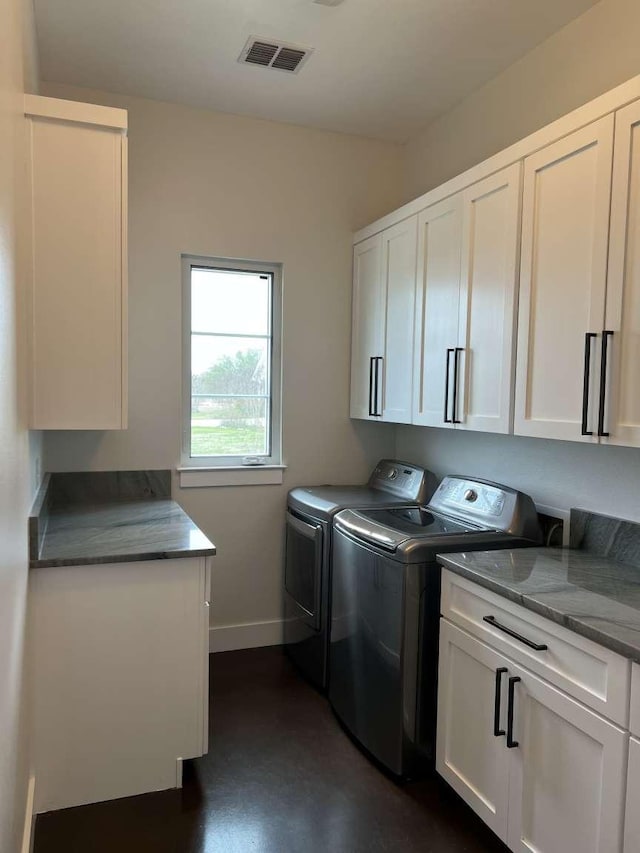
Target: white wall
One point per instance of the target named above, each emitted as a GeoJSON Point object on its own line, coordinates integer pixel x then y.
{"type": "Point", "coordinates": [16, 65]}
{"type": "Point", "coordinates": [594, 53]}
{"type": "Point", "coordinates": [221, 185]}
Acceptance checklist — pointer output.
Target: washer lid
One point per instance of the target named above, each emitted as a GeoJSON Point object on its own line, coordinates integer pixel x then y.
{"type": "Point", "coordinates": [389, 528]}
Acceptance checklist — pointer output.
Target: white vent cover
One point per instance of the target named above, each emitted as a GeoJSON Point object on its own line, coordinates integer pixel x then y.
{"type": "Point", "coordinates": [275, 54]}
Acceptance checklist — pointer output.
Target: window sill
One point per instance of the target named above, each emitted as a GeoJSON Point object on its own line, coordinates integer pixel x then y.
{"type": "Point", "coordinates": [240, 475]}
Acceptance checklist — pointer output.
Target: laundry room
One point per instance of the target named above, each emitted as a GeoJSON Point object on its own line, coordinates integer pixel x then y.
{"type": "Point", "coordinates": [319, 426]}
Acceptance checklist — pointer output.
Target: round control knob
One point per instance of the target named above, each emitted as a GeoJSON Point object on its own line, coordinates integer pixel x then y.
{"type": "Point", "coordinates": [470, 495]}
{"type": "Point", "coordinates": [393, 473]}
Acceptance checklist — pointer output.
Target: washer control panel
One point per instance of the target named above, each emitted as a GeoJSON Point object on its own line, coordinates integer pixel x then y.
{"type": "Point", "coordinates": [485, 503]}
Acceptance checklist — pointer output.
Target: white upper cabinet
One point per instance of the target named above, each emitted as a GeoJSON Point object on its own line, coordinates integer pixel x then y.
{"type": "Point", "coordinates": [367, 325]}
{"type": "Point", "coordinates": [526, 311]}
{"type": "Point", "coordinates": [565, 226]}
{"type": "Point", "coordinates": [78, 174]}
{"type": "Point", "coordinates": [398, 275]}
{"type": "Point", "coordinates": [619, 409]}
{"type": "Point", "coordinates": [384, 272]}
{"type": "Point", "coordinates": [436, 312]}
{"type": "Point", "coordinates": [490, 239]}
{"type": "Point", "coordinates": [465, 303]}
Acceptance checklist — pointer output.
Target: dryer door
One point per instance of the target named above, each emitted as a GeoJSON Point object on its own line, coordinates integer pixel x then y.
{"type": "Point", "coordinates": [303, 567]}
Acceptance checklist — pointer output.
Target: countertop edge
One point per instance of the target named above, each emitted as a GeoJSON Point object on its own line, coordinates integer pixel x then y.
{"type": "Point", "coordinates": [148, 556]}
{"type": "Point", "coordinates": [564, 620]}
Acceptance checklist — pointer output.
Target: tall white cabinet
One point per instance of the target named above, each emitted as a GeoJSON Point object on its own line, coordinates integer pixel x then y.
{"type": "Point", "coordinates": [620, 411]}
{"type": "Point", "coordinates": [565, 225]}
{"type": "Point", "coordinates": [77, 155]}
{"type": "Point", "coordinates": [436, 317]}
{"type": "Point", "coordinates": [465, 306]}
{"type": "Point", "coordinates": [382, 328]}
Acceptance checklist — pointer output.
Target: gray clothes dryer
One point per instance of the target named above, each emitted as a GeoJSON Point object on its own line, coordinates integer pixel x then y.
{"type": "Point", "coordinates": [307, 571]}
{"type": "Point", "coordinates": [385, 608]}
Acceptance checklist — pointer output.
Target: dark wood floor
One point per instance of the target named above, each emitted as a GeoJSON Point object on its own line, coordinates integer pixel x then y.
{"type": "Point", "coordinates": [281, 777]}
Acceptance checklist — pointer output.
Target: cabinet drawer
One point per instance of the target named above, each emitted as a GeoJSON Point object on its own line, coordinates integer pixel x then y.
{"type": "Point", "coordinates": [585, 670]}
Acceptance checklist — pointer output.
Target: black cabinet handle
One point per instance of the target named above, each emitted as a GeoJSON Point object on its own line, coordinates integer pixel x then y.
{"type": "Point", "coordinates": [497, 731]}
{"type": "Point", "coordinates": [586, 381]}
{"type": "Point", "coordinates": [372, 410]}
{"type": "Point", "coordinates": [458, 350]}
{"type": "Point", "coordinates": [607, 333]}
{"type": "Point", "coordinates": [446, 418]}
{"type": "Point", "coordinates": [377, 386]}
{"type": "Point", "coordinates": [538, 647]}
{"type": "Point", "coordinates": [511, 743]}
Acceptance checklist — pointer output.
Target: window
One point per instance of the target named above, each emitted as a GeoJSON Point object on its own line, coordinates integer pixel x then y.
{"type": "Point", "coordinates": [232, 363]}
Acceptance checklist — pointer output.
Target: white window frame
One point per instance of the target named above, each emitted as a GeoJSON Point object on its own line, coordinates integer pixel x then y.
{"type": "Point", "coordinates": [231, 470]}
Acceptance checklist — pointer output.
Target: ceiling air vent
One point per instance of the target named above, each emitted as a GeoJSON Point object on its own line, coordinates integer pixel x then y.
{"type": "Point", "coordinates": [279, 55]}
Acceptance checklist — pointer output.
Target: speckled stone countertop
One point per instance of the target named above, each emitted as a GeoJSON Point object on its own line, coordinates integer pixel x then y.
{"type": "Point", "coordinates": [590, 594]}
{"type": "Point", "coordinates": [110, 517]}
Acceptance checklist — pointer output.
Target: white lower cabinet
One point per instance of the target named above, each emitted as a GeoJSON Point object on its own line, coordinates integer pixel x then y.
{"type": "Point", "coordinates": [543, 771]}
{"type": "Point", "coordinates": [120, 678]}
{"type": "Point", "coordinates": [632, 819]}
{"type": "Point", "coordinates": [468, 755]}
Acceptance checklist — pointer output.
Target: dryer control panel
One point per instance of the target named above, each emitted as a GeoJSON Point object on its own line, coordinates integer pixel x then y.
{"type": "Point", "coordinates": [403, 480]}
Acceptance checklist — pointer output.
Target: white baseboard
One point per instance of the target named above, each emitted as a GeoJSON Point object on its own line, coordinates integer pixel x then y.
{"type": "Point", "coordinates": [29, 818]}
{"type": "Point", "coordinates": [250, 635]}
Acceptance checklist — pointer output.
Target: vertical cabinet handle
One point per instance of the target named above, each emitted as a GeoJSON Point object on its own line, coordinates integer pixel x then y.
{"type": "Point", "coordinates": [377, 411]}
{"type": "Point", "coordinates": [497, 731]}
{"type": "Point", "coordinates": [454, 412]}
{"type": "Point", "coordinates": [589, 336]}
{"type": "Point", "coordinates": [446, 418]}
{"type": "Point", "coordinates": [511, 743]}
{"type": "Point", "coordinates": [607, 333]}
{"type": "Point", "coordinates": [371, 411]}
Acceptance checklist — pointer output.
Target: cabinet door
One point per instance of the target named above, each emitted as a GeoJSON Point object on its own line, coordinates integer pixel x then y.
{"type": "Point", "coordinates": [621, 403]}
{"type": "Point", "coordinates": [632, 815]}
{"type": "Point", "coordinates": [367, 322]}
{"type": "Point", "coordinates": [472, 759]}
{"type": "Point", "coordinates": [565, 223]}
{"type": "Point", "coordinates": [399, 248]}
{"type": "Point", "coordinates": [78, 304]}
{"type": "Point", "coordinates": [491, 232]}
{"type": "Point", "coordinates": [436, 311]}
{"type": "Point", "coordinates": [567, 773]}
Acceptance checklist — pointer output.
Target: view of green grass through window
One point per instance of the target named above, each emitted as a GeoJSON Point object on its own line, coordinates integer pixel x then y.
{"type": "Point", "coordinates": [230, 362]}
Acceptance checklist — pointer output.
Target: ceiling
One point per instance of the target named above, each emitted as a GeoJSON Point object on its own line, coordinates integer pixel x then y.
{"type": "Point", "coordinates": [380, 68]}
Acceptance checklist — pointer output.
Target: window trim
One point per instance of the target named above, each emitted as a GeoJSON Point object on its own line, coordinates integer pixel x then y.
{"type": "Point", "coordinates": [209, 465]}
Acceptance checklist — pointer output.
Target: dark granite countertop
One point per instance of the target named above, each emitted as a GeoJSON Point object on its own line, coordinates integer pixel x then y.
{"type": "Point", "coordinates": [590, 594]}
{"type": "Point", "coordinates": [110, 517]}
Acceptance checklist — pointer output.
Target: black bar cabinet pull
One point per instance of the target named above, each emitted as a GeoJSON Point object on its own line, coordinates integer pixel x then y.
{"type": "Point", "coordinates": [378, 383]}
{"type": "Point", "coordinates": [607, 333]}
{"type": "Point", "coordinates": [497, 731]}
{"type": "Point", "coordinates": [458, 350]}
{"type": "Point", "coordinates": [447, 419]}
{"type": "Point", "coordinates": [538, 647]}
{"type": "Point", "coordinates": [587, 381]}
{"type": "Point", "coordinates": [511, 743]}
{"type": "Point", "coordinates": [371, 412]}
